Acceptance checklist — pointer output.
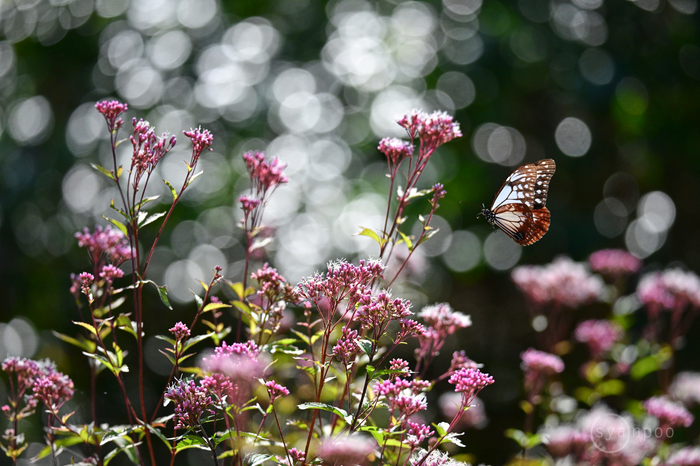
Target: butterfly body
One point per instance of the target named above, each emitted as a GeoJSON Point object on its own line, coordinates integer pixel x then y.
{"type": "Point", "coordinates": [518, 208]}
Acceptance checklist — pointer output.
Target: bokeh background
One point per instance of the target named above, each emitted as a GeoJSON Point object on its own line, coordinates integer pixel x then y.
{"type": "Point", "coordinates": [609, 89]}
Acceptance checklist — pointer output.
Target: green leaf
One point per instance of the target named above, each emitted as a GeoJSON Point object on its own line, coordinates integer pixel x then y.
{"type": "Point", "coordinates": [303, 337]}
{"type": "Point", "coordinates": [151, 219]}
{"type": "Point", "coordinates": [644, 366]}
{"type": "Point", "coordinates": [365, 346]}
{"type": "Point", "coordinates": [195, 177]}
{"type": "Point", "coordinates": [237, 288]}
{"type": "Point", "coordinates": [427, 236]}
{"type": "Point", "coordinates": [162, 293]}
{"type": "Point", "coordinates": [191, 441]}
{"type": "Point", "coordinates": [126, 324]}
{"type": "Point", "coordinates": [384, 372]}
{"type": "Point", "coordinates": [194, 340]}
{"type": "Point", "coordinates": [370, 371]}
{"type": "Point", "coordinates": [212, 306]}
{"type": "Point", "coordinates": [611, 387]}
{"type": "Point", "coordinates": [89, 327]}
{"type": "Point", "coordinates": [407, 240]}
{"type": "Point", "coordinates": [159, 434]}
{"type": "Point", "coordinates": [371, 234]}
{"type": "Point", "coordinates": [326, 407]}
{"type": "Point", "coordinates": [172, 189]}
{"type": "Point", "coordinates": [58, 443]}
{"type": "Point", "coordinates": [83, 344]}
{"type": "Point", "coordinates": [260, 243]}
{"type": "Point", "coordinates": [108, 173]}
{"type": "Point", "coordinates": [255, 459]}
{"type": "Point", "coordinates": [117, 224]}
{"type": "Point", "coordinates": [146, 201]}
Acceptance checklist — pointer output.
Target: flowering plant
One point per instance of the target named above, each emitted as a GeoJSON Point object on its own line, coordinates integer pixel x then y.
{"type": "Point", "coordinates": [355, 403]}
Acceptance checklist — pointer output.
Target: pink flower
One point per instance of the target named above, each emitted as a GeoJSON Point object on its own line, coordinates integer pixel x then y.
{"type": "Point", "coordinates": [347, 347]}
{"type": "Point", "coordinates": [86, 279]}
{"type": "Point", "coordinates": [686, 388]}
{"type": "Point", "coordinates": [232, 370]}
{"type": "Point", "coordinates": [686, 456]}
{"type": "Point", "coordinates": [670, 289]}
{"type": "Point", "coordinates": [105, 243]}
{"type": "Point", "coordinates": [614, 263]}
{"type": "Point", "coordinates": [563, 283]}
{"type": "Point", "coordinates": [147, 149]}
{"type": "Point", "coordinates": [473, 418]}
{"type": "Point", "coordinates": [180, 331]}
{"type": "Point", "coordinates": [444, 319]}
{"type": "Point", "coordinates": [562, 441]}
{"type": "Point", "coordinates": [417, 433]}
{"type": "Point", "coordinates": [264, 174]}
{"type": "Point", "coordinates": [395, 150]}
{"type": "Point", "coordinates": [110, 272]}
{"type": "Point", "coordinates": [190, 402]}
{"type": "Point", "coordinates": [343, 281]}
{"type": "Point", "coordinates": [398, 365]}
{"type": "Point", "coordinates": [347, 450]}
{"type": "Point", "coordinates": [541, 362]}
{"type": "Point", "coordinates": [669, 413]}
{"type": "Point", "coordinates": [201, 141]}
{"type": "Point", "coordinates": [469, 382]}
{"type": "Point", "coordinates": [433, 129]}
{"type": "Point", "coordinates": [111, 110]}
{"type": "Point", "coordinates": [599, 335]}
{"type": "Point", "coordinates": [435, 458]}
{"type": "Point", "coordinates": [275, 390]}
{"type": "Point", "coordinates": [376, 311]}
{"type": "Point", "coordinates": [53, 389]}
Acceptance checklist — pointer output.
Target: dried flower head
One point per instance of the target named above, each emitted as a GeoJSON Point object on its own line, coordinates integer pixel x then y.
{"type": "Point", "coordinates": [190, 401]}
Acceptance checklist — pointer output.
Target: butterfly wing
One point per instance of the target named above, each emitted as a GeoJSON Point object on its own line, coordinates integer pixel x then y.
{"type": "Point", "coordinates": [518, 208]}
{"type": "Point", "coordinates": [545, 169]}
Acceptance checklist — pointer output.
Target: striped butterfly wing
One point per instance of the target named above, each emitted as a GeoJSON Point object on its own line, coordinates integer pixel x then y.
{"type": "Point", "coordinates": [518, 207]}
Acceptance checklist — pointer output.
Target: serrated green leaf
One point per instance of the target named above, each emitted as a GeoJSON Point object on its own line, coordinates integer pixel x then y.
{"type": "Point", "coordinates": [162, 293]}
{"type": "Point", "coordinates": [159, 434]}
{"type": "Point", "coordinates": [194, 340]}
{"type": "Point", "coordinates": [108, 173]}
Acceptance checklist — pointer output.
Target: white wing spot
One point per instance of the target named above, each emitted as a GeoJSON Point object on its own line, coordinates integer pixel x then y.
{"type": "Point", "coordinates": [537, 201]}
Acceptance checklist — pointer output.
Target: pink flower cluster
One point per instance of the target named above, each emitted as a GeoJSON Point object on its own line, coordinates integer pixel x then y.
{"type": "Point", "coordinates": [190, 401]}
{"type": "Point", "coordinates": [180, 331]}
{"type": "Point", "coordinates": [111, 110]}
{"type": "Point", "coordinates": [110, 272]}
{"type": "Point", "coordinates": [201, 141]}
{"type": "Point", "coordinates": [342, 281]}
{"type": "Point", "coordinates": [561, 283]}
{"type": "Point", "coordinates": [105, 244]}
{"type": "Point", "coordinates": [436, 457]}
{"type": "Point", "coordinates": [599, 437]}
{"type": "Point", "coordinates": [275, 390]}
{"type": "Point", "coordinates": [686, 388]}
{"type": "Point", "coordinates": [541, 362]}
{"type": "Point", "coordinates": [231, 371]}
{"type": "Point", "coordinates": [405, 397]}
{"type": "Point", "coordinates": [469, 382]}
{"type": "Point", "coordinates": [686, 456]}
{"type": "Point", "coordinates": [148, 149]}
{"type": "Point", "coordinates": [37, 381]}
{"type": "Point", "coordinates": [347, 347]}
{"type": "Point", "coordinates": [264, 174]}
{"type": "Point", "coordinates": [670, 289]}
{"type": "Point", "coordinates": [599, 335]}
{"type": "Point", "coordinates": [346, 450]}
{"type": "Point", "coordinates": [432, 129]}
{"type": "Point", "coordinates": [376, 311]}
{"type": "Point", "coordinates": [441, 322]}
{"type": "Point", "coordinates": [614, 263]}
{"type": "Point", "coordinates": [395, 150]}
{"type": "Point", "coordinates": [669, 413]}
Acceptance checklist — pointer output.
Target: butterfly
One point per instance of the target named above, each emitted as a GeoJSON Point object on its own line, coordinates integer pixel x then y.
{"type": "Point", "coordinates": [518, 208]}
